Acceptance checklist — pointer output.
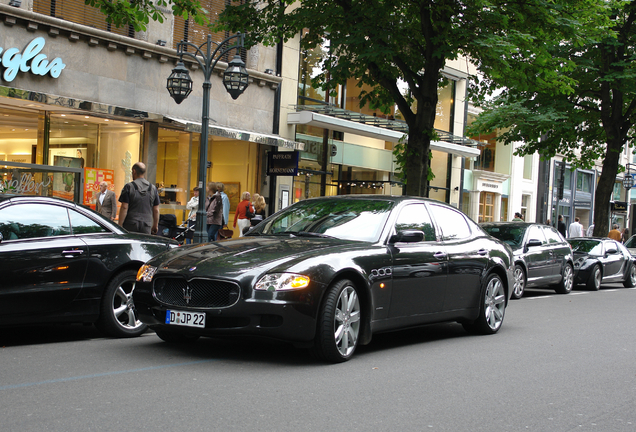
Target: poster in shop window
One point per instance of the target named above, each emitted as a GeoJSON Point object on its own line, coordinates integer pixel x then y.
{"type": "Point", "coordinates": [92, 178]}
{"type": "Point", "coordinates": [64, 183]}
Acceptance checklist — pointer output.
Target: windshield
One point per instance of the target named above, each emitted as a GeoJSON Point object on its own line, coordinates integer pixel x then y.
{"type": "Point", "coordinates": [512, 235]}
{"type": "Point", "coordinates": [591, 247]}
{"type": "Point", "coordinates": [347, 219]}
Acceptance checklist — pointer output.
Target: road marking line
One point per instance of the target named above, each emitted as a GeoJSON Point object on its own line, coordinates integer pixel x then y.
{"type": "Point", "coordinates": [99, 375]}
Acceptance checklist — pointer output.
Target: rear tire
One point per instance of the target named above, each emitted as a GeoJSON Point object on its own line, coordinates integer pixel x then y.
{"type": "Point", "coordinates": [520, 282]}
{"type": "Point", "coordinates": [567, 280]}
{"type": "Point", "coordinates": [594, 282]}
{"type": "Point", "coordinates": [338, 326]}
{"type": "Point", "coordinates": [118, 317]}
{"type": "Point", "coordinates": [492, 308]}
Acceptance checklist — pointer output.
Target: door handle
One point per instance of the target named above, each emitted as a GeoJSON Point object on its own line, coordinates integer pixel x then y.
{"type": "Point", "coordinates": [440, 255]}
{"type": "Point", "coordinates": [72, 253]}
{"type": "Point", "coordinates": [482, 252]}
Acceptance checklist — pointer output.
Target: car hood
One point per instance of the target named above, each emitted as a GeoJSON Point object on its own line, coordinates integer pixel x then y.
{"type": "Point", "coordinates": [237, 257]}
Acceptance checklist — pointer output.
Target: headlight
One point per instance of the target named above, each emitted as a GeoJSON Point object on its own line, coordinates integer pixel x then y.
{"type": "Point", "coordinates": [146, 273]}
{"type": "Point", "coordinates": [281, 282]}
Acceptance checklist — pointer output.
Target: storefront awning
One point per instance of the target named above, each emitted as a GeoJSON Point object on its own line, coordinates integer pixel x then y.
{"type": "Point", "coordinates": [242, 135]}
{"type": "Point", "coordinates": [342, 125]}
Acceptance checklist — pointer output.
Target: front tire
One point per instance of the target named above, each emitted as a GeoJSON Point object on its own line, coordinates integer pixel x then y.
{"type": "Point", "coordinates": [594, 282]}
{"type": "Point", "coordinates": [338, 326]}
{"type": "Point", "coordinates": [630, 280]}
{"type": "Point", "coordinates": [492, 308]}
{"type": "Point", "coordinates": [520, 282]}
{"type": "Point", "coordinates": [118, 317]}
{"type": "Point", "coordinates": [567, 280]}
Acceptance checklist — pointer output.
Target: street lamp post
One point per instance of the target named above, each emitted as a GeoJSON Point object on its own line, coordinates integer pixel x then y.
{"type": "Point", "coordinates": [628, 180]}
{"type": "Point", "coordinates": [235, 80]}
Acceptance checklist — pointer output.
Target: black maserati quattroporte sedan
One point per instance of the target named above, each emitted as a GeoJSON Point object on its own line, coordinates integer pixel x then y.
{"type": "Point", "coordinates": [327, 273]}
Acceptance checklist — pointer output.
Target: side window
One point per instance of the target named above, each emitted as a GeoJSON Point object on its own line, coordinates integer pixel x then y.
{"type": "Point", "coordinates": [536, 233]}
{"type": "Point", "coordinates": [552, 235]}
{"type": "Point", "coordinates": [83, 225]}
{"type": "Point", "coordinates": [23, 221]}
{"type": "Point", "coordinates": [415, 217]}
{"type": "Point", "coordinates": [453, 223]}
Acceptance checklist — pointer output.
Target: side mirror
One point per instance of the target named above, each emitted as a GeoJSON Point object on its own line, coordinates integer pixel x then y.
{"type": "Point", "coordinates": [533, 243]}
{"type": "Point", "coordinates": [610, 251]}
{"type": "Point", "coordinates": [408, 236]}
{"type": "Point", "coordinates": [1, 237]}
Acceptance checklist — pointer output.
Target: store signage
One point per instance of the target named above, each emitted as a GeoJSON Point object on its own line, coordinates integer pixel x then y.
{"type": "Point", "coordinates": [619, 206]}
{"type": "Point", "coordinates": [282, 163]}
{"type": "Point", "coordinates": [488, 185]}
{"type": "Point", "coordinates": [24, 185]}
{"type": "Point", "coordinates": [30, 58]}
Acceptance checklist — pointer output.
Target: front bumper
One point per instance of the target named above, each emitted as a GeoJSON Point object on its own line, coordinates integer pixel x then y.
{"type": "Point", "coordinates": [289, 316]}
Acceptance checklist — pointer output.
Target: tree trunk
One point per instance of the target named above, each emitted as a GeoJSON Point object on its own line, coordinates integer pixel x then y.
{"type": "Point", "coordinates": [605, 188]}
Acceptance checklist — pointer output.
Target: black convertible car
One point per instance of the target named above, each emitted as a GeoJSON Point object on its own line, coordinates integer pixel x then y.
{"type": "Point", "coordinates": [602, 260]}
{"type": "Point", "coordinates": [63, 263]}
{"type": "Point", "coordinates": [327, 273]}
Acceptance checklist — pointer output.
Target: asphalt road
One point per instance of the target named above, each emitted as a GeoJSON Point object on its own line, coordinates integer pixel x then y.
{"type": "Point", "coordinates": [559, 363]}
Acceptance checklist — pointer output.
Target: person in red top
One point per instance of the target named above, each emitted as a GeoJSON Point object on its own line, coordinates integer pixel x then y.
{"type": "Point", "coordinates": [241, 215]}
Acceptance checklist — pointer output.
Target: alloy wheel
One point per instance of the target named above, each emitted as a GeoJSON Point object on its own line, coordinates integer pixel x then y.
{"type": "Point", "coordinates": [494, 303]}
{"type": "Point", "coordinates": [347, 321]}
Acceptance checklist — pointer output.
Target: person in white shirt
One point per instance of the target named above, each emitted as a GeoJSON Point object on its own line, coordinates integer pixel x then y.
{"type": "Point", "coordinates": [590, 231]}
{"type": "Point", "coordinates": [193, 206]}
{"type": "Point", "coordinates": [106, 203]}
{"type": "Point", "coordinates": [576, 229]}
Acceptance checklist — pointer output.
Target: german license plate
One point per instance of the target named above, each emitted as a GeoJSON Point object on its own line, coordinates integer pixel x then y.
{"type": "Point", "coordinates": [190, 319]}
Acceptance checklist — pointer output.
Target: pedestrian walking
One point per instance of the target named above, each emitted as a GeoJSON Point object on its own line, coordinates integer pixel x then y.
{"type": "Point", "coordinates": [193, 206]}
{"type": "Point", "coordinates": [226, 204]}
{"type": "Point", "coordinates": [590, 231]}
{"type": "Point", "coordinates": [214, 210]}
{"type": "Point", "coordinates": [576, 229]}
{"type": "Point", "coordinates": [615, 234]}
{"type": "Point", "coordinates": [139, 200]}
{"type": "Point", "coordinates": [106, 203]}
{"type": "Point", "coordinates": [561, 226]}
{"type": "Point", "coordinates": [244, 212]}
{"type": "Point", "coordinates": [625, 235]}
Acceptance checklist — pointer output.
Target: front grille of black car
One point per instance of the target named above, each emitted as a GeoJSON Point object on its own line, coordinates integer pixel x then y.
{"type": "Point", "coordinates": [197, 293]}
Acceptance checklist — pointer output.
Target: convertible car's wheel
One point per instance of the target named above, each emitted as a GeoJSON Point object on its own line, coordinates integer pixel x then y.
{"type": "Point", "coordinates": [338, 325]}
{"type": "Point", "coordinates": [594, 282]}
{"type": "Point", "coordinates": [492, 308]}
{"type": "Point", "coordinates": [567, 280]}
{"type": "Point", "coordinates": [174, 337]}
{"type": "Point", "coordinates": [630, 280]}
{"type": "Point", "coordinates": [117, 316]}
{"type": "Point", "coordinates": [520, 282]}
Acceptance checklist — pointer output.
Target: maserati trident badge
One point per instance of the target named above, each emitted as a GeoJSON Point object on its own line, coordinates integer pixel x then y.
{"type": "Point", "coordinates": [187, 294]}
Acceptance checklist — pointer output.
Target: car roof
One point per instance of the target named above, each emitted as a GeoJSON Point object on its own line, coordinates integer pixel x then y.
{"type": "Point", "coordinates": [36, 199]}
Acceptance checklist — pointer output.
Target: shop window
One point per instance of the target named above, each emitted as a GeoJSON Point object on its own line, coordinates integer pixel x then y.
{"type": "Point", "coordinates": [77, 12]}
{"type": "Point", "coordinates": [486, 207]}
{"type": "Point", "coordinates": [583, 182]}
{"type": "Point", "coordinates": [503, 214]}
{"type": "Point", "coordinates": [525, 203]}
{"type": "Point", "coordinates": [616, 194]}
{"type": "Point", "coordinates": [19, 135]}
{"type": "Point", "coordinates": [527, 167]}
{"type": "Point", "coordinates": [486, 160]}
{"type": "Point", "coordinates": [106, 149]}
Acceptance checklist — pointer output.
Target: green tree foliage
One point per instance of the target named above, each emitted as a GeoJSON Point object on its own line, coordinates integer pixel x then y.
{"type": "Point", "coordinates": [577, 98]}
{"type": "Point", "coordinates": [386, 43]}
{"type": "Point", "coordinates": [138, 13]}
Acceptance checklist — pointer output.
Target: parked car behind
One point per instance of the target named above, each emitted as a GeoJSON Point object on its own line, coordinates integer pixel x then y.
{"type": "Point", "coordinates": [63, 263]}
{"type": "Point", "coordinates": [542, 255]}
{"type": "Point", "coordinates": [630, 244]}
{"type": "Point", "coordinates": [327, 273]}
{"type": "Point", "coordinates": [602, 260]}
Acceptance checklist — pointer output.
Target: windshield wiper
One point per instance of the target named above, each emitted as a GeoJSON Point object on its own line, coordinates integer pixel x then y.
{"type": "Point", "coordinates": [308, 234]}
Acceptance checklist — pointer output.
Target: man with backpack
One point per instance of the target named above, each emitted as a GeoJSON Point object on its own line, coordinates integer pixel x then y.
{"type": "Point", "coordinates": [139, 200]}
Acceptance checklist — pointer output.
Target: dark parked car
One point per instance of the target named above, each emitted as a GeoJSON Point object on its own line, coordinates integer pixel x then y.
{"type": "Point", "coordinates": [327, 273]}
{"type": "Point", "coordinates": [63, 263]}
{"type": "Point", "coordinates": [542, 256]}
{"type": "Point", "coordinates": [630, 244]}
{"type": "Point", "coordinates": [602, 260]}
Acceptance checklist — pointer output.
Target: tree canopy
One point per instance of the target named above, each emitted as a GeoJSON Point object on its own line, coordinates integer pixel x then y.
{"type": "Point", "coordinates": [384, 44]}
{"type": "Point", "coordinates": [138, 13]}
{"type": "Point", "coordinates": [587, 113]}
